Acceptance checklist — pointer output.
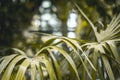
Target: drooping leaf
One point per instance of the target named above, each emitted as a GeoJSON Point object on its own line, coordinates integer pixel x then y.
{"type": "Point", "coordinates": [6, 61]}
{"type": "Point", "coordinates": [89, 21]}
{"type": "Point", "coordinates": [22, 69]}
{"type": "Point", "coordinates": [49, 42]}
{"type": "Point", "coordinates": [75, 46]}
{"type": "Point", "coordinates": [68, 58]}
{"type": "Point", "coordinates": [95, 63]}
{"type": "Point", "coordinates": [100, 70]}
{"type": "Point", "coordinates": [19, 51]}
{"type": "Point", "coordinates": [113, 48]}
{"type": "Point", "coordinates": [108, 67]}
{"type": "Point", "coordinates": [56, 65]}
{"type": "Point", "coordinates": [40, 71]}
{"type": "Point", "coordinates": [11, 65]}
{"type": "Point", "coordinates": [33, 69]}
{"type": "Point", "coordinates": [49, 67]}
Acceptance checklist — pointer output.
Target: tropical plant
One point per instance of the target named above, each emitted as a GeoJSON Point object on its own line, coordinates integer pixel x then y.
{"type": "Point", "coordinates": [82, 60]}
{"type": "Point", "coordinates": [103, 52]}
{"type": "Point", "coordinates": [44, 59]}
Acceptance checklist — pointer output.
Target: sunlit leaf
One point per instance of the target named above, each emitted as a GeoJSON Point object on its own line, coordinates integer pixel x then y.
{"type": "Point", "coordinates": [33, 69]}
{"type": "Point", "coordinates": [22, 69]}
{"type": "Point", "coordinates": [49, 42]}
{"type": "Point", "coordinates": [6, 61]}
{"type": "Point", "coordinates": [40, 71]}
{"type": "Point", "coordinates": [19, 51]}
{"type": "Point", "coordinates": [9, 69]}
{"type": "Point", "coordinates": [68, 58]}
{"type": "Point", "coordinates": [113, 48]}
{"type": "Point", "coordinates": [57, 66]}
{"type": "Point", "coordinates": [90, 22]}
{"type": "Point", "coordinates": [74, 45]}
{"type": "Point", "coordinates": [49, 67]}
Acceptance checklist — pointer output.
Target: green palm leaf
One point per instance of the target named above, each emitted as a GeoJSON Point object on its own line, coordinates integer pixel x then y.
{"type": "Point", "coordinates": [48, 66]}
{"type": "Point", "coordinates": [9, 69]}
{"type": "Point", "coordinates": [68, 58]}
{"type": "Point", "coordinates": [56, 65]}
{"type": "Point", "coordinates": [108, 67]}
{"type": "Point", "coordinates": [105, 45]}
{"type": "Point", "coordinates": [41, 76]}
{"type": "Point", "coordinates": [89, 21]}
{"type": "Point", "coordinates": [6, 61]}
{"type": "Point", "coordinates": [33, 69]}
{"type": "Point", "coordinates": [112, 31]}
{"type": "Point", "coordinates": [22, 69]}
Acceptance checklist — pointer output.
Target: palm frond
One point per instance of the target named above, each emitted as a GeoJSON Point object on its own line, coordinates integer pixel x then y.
{"type": "Point", "coordinates": [74, 44]}
{"type": "Point", "coordinates": [56, 66]}
{"type": "Point", "coordinates": [42, 59]}
{"type": "Point", "coordinates": [108, 67]}
{"type": "Point", "coordinates": [5, 62]}
{"type": "Point", "coordinates": [95, 58]}
{"type": "Point", "coordinates": [48, 65]}
{"type": "Point", "coordinates": [9, 69]}
{"type": "Point", "coordinates": [112, 31]}
{"type": "Point", "coordinates": [89, 21]}
{"type": "Point", "coordinates": [22, 69]}
{"type": "Point", "coordinates": [105, 45]}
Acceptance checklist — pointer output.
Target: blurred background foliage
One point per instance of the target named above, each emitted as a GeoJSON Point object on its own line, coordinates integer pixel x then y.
{"type": "Point", "coordinates": [20, 20]}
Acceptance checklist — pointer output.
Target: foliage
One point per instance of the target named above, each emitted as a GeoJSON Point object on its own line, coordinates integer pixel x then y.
{"type": "Point", "coordinates": [84, 60]}
{"type": "Point", "coordinates": [44, 58]}
{"type": "Point", "coordinates": [100, 55]}
{"type": "Point", "coordinates": [104, 52]}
